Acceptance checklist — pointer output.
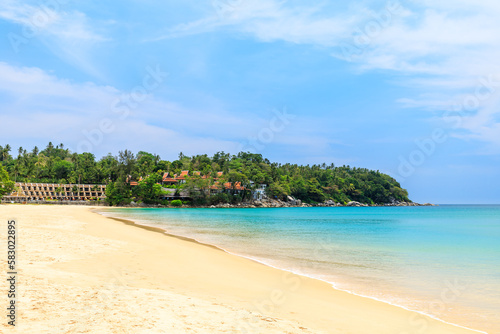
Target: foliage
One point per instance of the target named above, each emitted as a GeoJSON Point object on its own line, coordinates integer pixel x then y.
{"type": "Point", "coordinates": [198, 189]}
{"type": "Point", "coordinates": [149, 189]}
{"type": "Point", "coordinates": [118, 193]}
{"type": "Point", "coordinates": [311, 183]}
{"type": "Point", "coordinates": [176, 202]}
{"type": "Point", "coordinates": [6, 185]}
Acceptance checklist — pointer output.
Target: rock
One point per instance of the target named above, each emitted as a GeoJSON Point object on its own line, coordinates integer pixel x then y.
{"type": "Point", "coordinates": [329, 203]}
{"type": "Point", "coordinates": [354, 203]}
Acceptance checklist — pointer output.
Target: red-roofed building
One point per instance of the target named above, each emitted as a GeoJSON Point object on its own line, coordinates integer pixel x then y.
{"type": "Point", "coordinates": [181, 178]}
{"type": "Point", "coordinates": [215, 188]}
{"type": "Point", "coordinates": [228, 187]}
{"type": "Point", "coordinates": [168, 180]}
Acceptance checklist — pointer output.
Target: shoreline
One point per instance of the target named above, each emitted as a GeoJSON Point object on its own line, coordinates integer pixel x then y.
{"type": "Point", "coordinates": [254, 204]}
{"type": "Point", "coordinates": [333, 284]}
{"type": "Point", "coordinates": [160, 273]}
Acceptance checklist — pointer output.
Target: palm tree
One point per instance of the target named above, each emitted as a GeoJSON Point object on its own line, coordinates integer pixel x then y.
{"type": "Point", "coordinates": [49, 149]}
{"type": "Point", "coordinates": [16, 171]}
{"type": "Point", "coordinates": [30, 168]}
{"type": "Point", "coordinates": [75, 190]}
{"type": "Point", "coordinates": [17, 165]}
{"type": "Point", "coordinates": [5, 152]}
{"type": "Point", "coordinates": [74, 159]}
{"type": "Point", "coordinates": [41, 162]}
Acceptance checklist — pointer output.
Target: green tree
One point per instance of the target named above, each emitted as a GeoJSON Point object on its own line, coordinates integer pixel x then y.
{"type": "Point", "coordinates": [62, 169]}
{"type": "Point", "coordinates": [118, 193]}
{"type": "Point", "coordinates": [126, 164]}
{"type": "Point", "coordinates": [5, 153]}
{"type": "Point", "coordinates": [310, 183]}
{"type": "Point", "coordinates": [148, 190]}
{"type": "Point", "coordinates": [146, 163]}
{"type": "Point", "coordinates": [6, 185]}
{"type": "Point", "coordinates": [198, 188]}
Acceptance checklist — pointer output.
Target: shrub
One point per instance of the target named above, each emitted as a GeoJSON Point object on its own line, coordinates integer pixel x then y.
{"type": "Point", "coordinates": [176, 202]}
{"type": "Point", "coordinates": [219, 198]}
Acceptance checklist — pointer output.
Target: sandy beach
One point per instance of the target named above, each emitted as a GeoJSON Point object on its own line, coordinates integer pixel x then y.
{"type": "Point", "coordinates": [80, 272]}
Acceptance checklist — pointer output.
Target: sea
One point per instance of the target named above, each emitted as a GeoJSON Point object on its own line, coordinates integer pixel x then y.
{"type": "Point", "coordinates": [443, 260]}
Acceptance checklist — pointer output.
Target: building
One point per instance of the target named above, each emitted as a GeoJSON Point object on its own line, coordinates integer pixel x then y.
{"type": "Point", "coordinates": [228, 188]}
{"type": "Point", "coordinates": [26, 192]}
{"type": "Point", "coordinates": [169, 180]}
{"type": "Point", "coordinates": [259, 192]}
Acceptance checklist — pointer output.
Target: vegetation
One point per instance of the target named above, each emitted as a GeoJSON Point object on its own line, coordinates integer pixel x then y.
{"type": "Point", "coordinates": [6, 185]}
{"type": "Point", "coordinates": [176, 202]}
{"type": "Point", "coordinates": [311, 184]}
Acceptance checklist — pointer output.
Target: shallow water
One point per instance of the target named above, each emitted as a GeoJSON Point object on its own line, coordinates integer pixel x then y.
{"type": "Point", "coordinates": [444, 261]}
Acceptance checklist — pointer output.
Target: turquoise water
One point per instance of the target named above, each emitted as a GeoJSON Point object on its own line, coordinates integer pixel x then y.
{"type": "Point", "coordinates": [444, 260]}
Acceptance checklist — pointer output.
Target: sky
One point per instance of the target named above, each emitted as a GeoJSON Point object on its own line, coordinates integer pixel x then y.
{"type": "Point", "coordinates": [409, 88]}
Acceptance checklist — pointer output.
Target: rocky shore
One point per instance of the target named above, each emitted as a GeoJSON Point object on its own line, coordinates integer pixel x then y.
{"type": "Point", "coordinates": [264, 203]}
{"type": "Point", "coordinates": [290, 203]}
{"type": "Point", "coordinates": [271, 203]}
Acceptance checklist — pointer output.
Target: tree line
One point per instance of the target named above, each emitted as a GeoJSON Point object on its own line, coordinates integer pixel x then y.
{"type": "Point", "coordinates": [311, 183]}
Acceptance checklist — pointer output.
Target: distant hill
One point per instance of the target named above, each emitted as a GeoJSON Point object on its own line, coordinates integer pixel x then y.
{"type": "Point", "coordinates": [311, 183]}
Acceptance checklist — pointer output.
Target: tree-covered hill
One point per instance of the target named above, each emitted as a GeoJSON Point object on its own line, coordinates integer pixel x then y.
{"type": "Point", "coordinates": [311, 184]}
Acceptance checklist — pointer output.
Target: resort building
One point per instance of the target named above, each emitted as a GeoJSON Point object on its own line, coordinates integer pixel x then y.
{"type": "Point", "coordinates": [26, 192]}
{"type": "Point", "coordinates": [169, 180]}
{"type": "Point", "coordinates": [259, 192]}
{"type": "Point", "coordinates": [228, 187]}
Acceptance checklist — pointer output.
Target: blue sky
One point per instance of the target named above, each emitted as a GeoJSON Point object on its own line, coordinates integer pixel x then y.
{"type": "Point", "coordinates": [410, 88]}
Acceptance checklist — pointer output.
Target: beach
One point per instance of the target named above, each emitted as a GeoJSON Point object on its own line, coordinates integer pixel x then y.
{"type": "Point", "coordinates": [80, 272]}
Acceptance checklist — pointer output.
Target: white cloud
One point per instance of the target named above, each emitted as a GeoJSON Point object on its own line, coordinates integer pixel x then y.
{"type": "Point", "coordinates": [27, 15]}
{"type": "Point", "coordinates": [37, 107]}
{"type": "Point", "coordinates": [441, 48]}
{"type": "Point", "coordinates": [68, 34]}
{"type": "Point", "coordinates": [269, 21]}
{"type": "Point", "coordinates": [48, 108]}
{"type": "Point", "coordinates": [54, 20]}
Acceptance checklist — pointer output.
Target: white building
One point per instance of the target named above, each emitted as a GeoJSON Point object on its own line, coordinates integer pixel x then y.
{"type": "Point", "coordinates": [259, 192]}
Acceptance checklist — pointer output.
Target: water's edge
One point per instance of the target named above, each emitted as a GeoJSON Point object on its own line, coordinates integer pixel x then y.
{"type": "Point", "coordinates": [108, 214]}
